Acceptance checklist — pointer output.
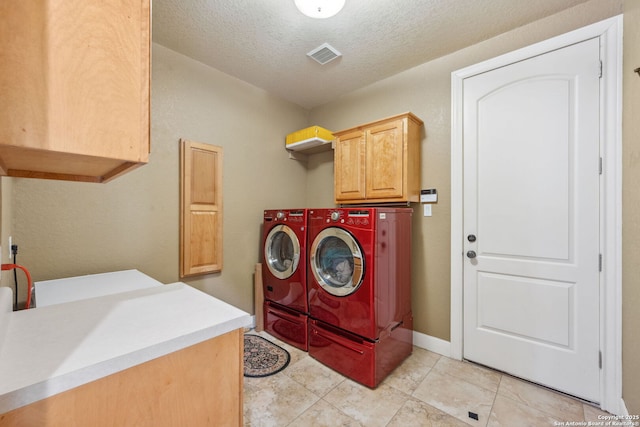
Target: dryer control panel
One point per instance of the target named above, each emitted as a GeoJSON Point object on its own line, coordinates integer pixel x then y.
{"type": "Point", "coordinates": [349, 216]}
{"type": "Point", "coordinates": [296, 216]}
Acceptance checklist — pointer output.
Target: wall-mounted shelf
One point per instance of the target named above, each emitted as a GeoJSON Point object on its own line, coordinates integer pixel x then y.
{"type": "Point", "coordinates": [302, 154]}
{"type": "Point", "coordinates": [307, 141]}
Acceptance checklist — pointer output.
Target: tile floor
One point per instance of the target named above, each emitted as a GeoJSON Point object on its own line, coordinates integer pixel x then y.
{"type": "Point", "coordinates": [426, 390]}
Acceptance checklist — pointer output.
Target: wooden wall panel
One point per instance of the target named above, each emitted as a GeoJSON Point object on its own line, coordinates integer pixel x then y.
{"type": "Point", "coordinates": [200, 208]}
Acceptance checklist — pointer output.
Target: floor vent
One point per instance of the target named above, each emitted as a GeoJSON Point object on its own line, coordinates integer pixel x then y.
{"type": "Point", "coordinates": [324, 53]}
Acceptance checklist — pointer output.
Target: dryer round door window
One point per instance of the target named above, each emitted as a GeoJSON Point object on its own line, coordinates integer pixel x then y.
{"type": "Point", "coordinates": [282, 251]}
{"type": "Point", "coordinates": [337, 262]}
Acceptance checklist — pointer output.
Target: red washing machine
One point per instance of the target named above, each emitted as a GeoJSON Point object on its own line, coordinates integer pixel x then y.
{"type": "Point", "coordinates": [284, 275]}
{"type": "Point", "coordinates": [359, 284]}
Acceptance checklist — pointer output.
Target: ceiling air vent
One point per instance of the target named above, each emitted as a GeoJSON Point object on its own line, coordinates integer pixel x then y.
{"type": "Point", "coordinates": [324, 53]}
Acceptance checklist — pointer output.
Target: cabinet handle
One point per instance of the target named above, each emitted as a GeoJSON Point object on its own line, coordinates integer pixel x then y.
{"type": "Point", "coordinates": [280, 316]}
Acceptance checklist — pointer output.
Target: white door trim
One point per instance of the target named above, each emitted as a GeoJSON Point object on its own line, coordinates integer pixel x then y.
{"type": "Point", "coordinates": [610, 32]}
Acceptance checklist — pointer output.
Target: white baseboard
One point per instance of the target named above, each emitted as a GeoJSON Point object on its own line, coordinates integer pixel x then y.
{"type": "Point", "coordinates": [437, 345]}
{"type": "Point", "coordinates": [623, 408]}
{"type": "Point", "coordinates": [253, 322]}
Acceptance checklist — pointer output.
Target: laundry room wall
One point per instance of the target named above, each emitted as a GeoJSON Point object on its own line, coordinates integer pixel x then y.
{"type": "Point", "coordinates": [426, 91]}
{"type": "Point", "coordinates": [5, 225]}
{"type": "Point", "coordinates": [631, 209]}
{"type": "Point", "coordinates": [68, 228]}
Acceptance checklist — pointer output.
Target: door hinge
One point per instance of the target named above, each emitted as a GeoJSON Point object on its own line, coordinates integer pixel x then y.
{"type": "Point", "coordinates": [600, 262]}
{"type": "Point", "coordinates": [600, 359]}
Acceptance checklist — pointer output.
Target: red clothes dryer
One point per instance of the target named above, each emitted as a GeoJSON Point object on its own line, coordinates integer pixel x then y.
{"type": "Point", "coordinates": [359, 284]}
{"type": "Point", "coordinates": [284, 275]}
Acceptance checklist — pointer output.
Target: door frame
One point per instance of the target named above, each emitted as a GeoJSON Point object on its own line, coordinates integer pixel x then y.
{"type": "Point", "coordinates": [610, 33]}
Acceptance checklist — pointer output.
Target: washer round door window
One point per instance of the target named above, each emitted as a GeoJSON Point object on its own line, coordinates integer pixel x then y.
{"type": "Point", "coordinates": [282, 251]}
{"type": "Point", "coordinates": [337, 262]}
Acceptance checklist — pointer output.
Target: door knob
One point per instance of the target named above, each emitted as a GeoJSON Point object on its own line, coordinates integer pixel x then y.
{"type": "Point", "coordinates": [471, 238]}
{"type": "Point", "coordinates": [471, 254]}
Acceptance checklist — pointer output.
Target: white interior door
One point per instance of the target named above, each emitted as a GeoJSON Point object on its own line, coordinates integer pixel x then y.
{"type": "Point", "coordinates": [531, 202]}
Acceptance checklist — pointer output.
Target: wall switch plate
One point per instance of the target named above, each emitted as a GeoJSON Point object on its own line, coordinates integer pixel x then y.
{"type": "Point", "coordinates": [427, 210]}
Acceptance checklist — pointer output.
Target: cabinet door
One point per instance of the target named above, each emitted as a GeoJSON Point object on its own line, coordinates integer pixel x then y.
{"type": "Point", "coordinates": [74, 84]}
{"type": "Point", "coordinates": [207, 378]}
{"type": "Point", "coordinates": [200, 208]}
{"type": "Point", "coordinates": [385, 161]}
{"type": "Point", "coordinates": [349, 156]}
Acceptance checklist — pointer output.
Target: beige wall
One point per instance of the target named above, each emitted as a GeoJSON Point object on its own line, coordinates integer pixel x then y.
{"type": "Point", "coordinates": [66, 228]}
{"type": "Point", "coordinates": [6, 278]}
{"type": "Point", "coordinates": [426, 91]}
{"type": "Point", "coordinates": [631, 210]}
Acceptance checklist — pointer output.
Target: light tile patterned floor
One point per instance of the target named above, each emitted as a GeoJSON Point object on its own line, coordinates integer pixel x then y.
{"type": "Point", "coordinates": [426, 390]}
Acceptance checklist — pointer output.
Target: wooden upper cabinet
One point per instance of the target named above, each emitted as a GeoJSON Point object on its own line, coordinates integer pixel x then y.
{"type": "Point", "coordinates": [74, 84]}
{"type": "Point", "coordinates": [378, 162]}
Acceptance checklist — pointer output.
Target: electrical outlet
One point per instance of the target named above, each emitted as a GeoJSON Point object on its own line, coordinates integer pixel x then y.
{"type": "Point", "coordinates": [10, 244]}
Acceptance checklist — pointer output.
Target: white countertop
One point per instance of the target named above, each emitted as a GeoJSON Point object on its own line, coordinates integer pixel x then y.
{"type": "Point", "coordinates": [58, 291]}
{"type": "Point", "coordinates": [51, 349]}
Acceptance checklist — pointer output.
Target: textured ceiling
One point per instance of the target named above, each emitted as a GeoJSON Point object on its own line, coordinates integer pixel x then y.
{"type": "Point", "coordinates": [265, 42]}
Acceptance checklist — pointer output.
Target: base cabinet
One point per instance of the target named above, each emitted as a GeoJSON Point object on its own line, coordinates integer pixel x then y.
{"type": "Point", "coordinates": [200, 385]}
{"type": "Point", "coordinates": [378, 162]}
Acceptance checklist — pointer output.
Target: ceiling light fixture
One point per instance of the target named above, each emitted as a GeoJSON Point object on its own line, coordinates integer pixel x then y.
{"type": "Point", "coordinates": [319, 8]}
